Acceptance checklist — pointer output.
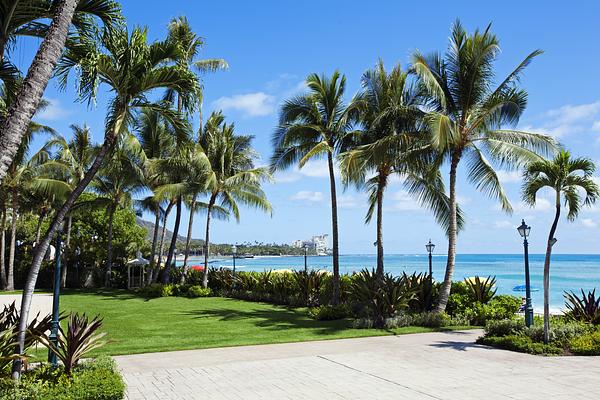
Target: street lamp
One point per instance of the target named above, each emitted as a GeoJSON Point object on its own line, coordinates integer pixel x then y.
{"type": "Point", "coordinates": [524, 230]}
{"type": "Point", "coordinates": [234, 251]}
{"type": "Point", "coordinates": [305, 247]}
{"type": "Point", "coordinates": [55, 301]}
{"type": "Point", "coordinates": [430, 246]}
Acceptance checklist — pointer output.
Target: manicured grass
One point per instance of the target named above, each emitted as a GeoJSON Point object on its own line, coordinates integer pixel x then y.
{"type": "Point", "coordinates": [137, 325]}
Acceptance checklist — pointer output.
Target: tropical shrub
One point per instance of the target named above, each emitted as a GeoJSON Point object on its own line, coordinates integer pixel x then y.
{"type": "Point", "coordinates": [586, 345]}
{"type": "Point", "coordinates": [157, 290]}
{"type": "Point", "coordinates": [480, 290]}
{"type": "Point", "coordinates": [585, 308]}
{"type": "Point", "coordinates": [199, 291]}
{"type": "Point", "coordinates": [309, 284]}
{"type": "Point", "coordinates": [92, 380]}
{"type": "Point", "coordinates": [79, 339]}
{"type": "Point", "coordinates": [520, 343]}
{"type": "Point", "coordinates": [425, 291]}
{"type": "Point", "coordinates": [500, 307]}
{"type": "Point", "coordinates": [505, 327]}
{"type": "Point", "coordinates": [561, 333]}
{"type": "Point", "coordinates": [431, 319]}
{"type": "Point", "coordinates": [328, 312]}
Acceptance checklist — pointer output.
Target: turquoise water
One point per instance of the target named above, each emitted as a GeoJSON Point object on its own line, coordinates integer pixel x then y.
{"type": "Point", "coordinates": [567, 271]}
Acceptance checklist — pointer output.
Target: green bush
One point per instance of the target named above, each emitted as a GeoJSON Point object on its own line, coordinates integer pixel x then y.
{"type": "Point", "coordinates": [93, 380]}
{"type": "Point", "coordinates": [198, 291]}
{"type": "Point", "coordinates": [500, 307]}
{"type": "Point", "coordinates": [328, 312]}
{"type": "Point", "coordinates": [505, 327]}
{"type": "Point", "coordinates": [520, 343]}
{"type": "Point", "coordinates": [586, 345]}
{"type": "Point", "coordinates": [431, 319]}
{"type": "Point", "coordinates": [157, 290]}
{"type": "Point", "coordinates": [561, 333]}
{"type": "Point", "coordinates": [458, 303]}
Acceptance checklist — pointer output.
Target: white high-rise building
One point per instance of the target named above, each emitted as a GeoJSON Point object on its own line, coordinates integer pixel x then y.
{"type": "Point", "coordinates": [318, 243]}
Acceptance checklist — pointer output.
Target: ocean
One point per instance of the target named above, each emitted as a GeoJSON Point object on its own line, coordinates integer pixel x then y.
{"type": "Point", "coordinates": [568, 272]}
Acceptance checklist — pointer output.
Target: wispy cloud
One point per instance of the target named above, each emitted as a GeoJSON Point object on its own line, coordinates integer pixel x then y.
{"type": "Point", "coordinates": [509, 176]}
{"type": "Point", "coordinates": [256, 104]}
{"type": "Point", "coordinates": [402, 201]}
{"type": "Point", "coordinates": [348, 201]}
{"type": "Point", "coordinates": [568, 119]}
{"type": "Point", "coordinates": [54, 111]}
{"type": "Point", "coordinates": [589, 223]}
{"type": "Point", "coordinates": [503, 224]}
{"type": "Point", "coordinates": [307, 195]}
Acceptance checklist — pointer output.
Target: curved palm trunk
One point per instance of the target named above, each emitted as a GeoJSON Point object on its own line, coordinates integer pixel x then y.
{"type": "Point", "coordinates": [452, 233]}
{"type": "Point", "coordinates": [109, 254]}
{"type": "Point", "coordinates": [547, 271]}
{"type": "Point", "coordinates": [41, 248]}
{"type": "Point", "coordinates": [154, 243]}
{"type": "Point", "coordinates": [334, 225]}
{"type": "Point", "coordinates": [380, 189]}
{"type": "Point", "coordinates": [173, 241]}
{"type": "Point", "coordinates": [161, 248]}
{"type": "Point", "coordinates": [3, 281]}
{"type": "Point", "coordinates": [38, 230]}
{"type": "Point", "coordinates": [65, 264]}
{"type": "Point", "coordinates": [211, 203]}
{"type": "Point", "coordinates": [26, 103]}
{"type": "Point", "coordinates": [10, 279]}
{"type": "Point", "coordinates": [188, 239]}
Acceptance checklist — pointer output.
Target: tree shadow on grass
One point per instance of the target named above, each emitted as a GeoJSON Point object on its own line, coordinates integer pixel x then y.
{"type": "Point", "coordinates": [277, 318]}
{"type": "Point", "coordinates": [106, 294]}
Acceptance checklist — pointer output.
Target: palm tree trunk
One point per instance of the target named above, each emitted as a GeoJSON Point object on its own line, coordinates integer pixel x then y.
{"type": "Point", "coordinates": [26, 103]}
{"type": "Point", "coordinates": [547, 271]}
{"type": "Point", "coordinates": [63, 271]}
{"type": "Point", "coordinates": [188, 239]}
{"type": "Point", "coordinates": [162, 240]}
{"type": "Point", "coordinates": [10, 279]}
{"type": "Point", "coordinates": [334, 225]}
{"type": "Point", "coordinates": [211, 203]}
{"type": "Point", "coordinates": [41, 248]}
{"type": "Point", "coordinates": [109, 253]}
{"type": "Point", "coordinates": [452, 233]}
{"type": "Point", "coordinates": [380, 190]}
{"type": "Point", "coordinates": [154, 243]}
{"type": "Point", "coordinates": [3, 281]}
{"type": "Point", "coordinates": [38, 230]}
{"type": "Point", "coordinates": [173, 241]}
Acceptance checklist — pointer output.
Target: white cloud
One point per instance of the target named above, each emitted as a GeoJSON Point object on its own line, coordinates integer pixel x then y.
{"type": "Point", "coordinates": [286, 177]}
{"type": "Point", "coordinates": [307, 195]}
{"type": "Point", "coordinates": [541, 204]}
{"type": "Point", "coordinates": [54, 111]}
{"type": "Point", "coordinates": [508, 176]}
{"type": "Point", "coordinates": [250, 104]}
{"type": "Point", "coordinates": [567, 120]}
{"type": "Point", "coordinates": [402, 201]}
{"type": "Point", "coordinates": [503, 224]}
{"type": "Point", "coordinates": [347, 201]}
{"type": "Point", "coordinates": [318, 169]}
{"type": "Point", "coordinates": [589, 223]}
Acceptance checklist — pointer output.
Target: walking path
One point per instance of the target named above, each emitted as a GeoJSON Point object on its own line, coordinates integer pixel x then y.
{"type": "Point", "coordinates": [420, 366]}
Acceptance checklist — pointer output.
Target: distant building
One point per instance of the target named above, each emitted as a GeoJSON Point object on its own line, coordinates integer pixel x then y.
{"type": "Point", "coordinates": [318, 243]}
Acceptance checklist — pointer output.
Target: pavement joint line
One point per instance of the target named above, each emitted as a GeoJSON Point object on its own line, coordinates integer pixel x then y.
{"type": "Point", "coordinates": [379, 377]}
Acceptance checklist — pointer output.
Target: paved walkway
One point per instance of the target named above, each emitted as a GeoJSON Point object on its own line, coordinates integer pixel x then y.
{"type": "Point", "coordinates": [420, 366]}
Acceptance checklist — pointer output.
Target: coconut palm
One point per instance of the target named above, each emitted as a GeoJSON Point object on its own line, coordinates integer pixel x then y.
{"type": "Point", "coordinates": [22, 18]}
{"type": "Point", "coordinates": [569, 178]}
{"type": "Point", "coordinates": [116, 183]}
{"type": "Point", "coordinates": [314, 125]}
{"type": "Point", "coordinates": [131, 68]}
{"type": "Point", "coordinates": [233, 179]}
{"type": "Point", "coordinates": [77, 155]}
{"type": "Point", "coordinates": [467, 114]}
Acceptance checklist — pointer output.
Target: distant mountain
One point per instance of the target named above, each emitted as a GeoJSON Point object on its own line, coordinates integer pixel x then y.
{"type": "Point", "coordinates": [149, 226]}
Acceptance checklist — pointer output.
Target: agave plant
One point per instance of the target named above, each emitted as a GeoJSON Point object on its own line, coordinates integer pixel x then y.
{"type": "Point", "coordinates": [481, 290]}
{"type": "Point", "coordinates": [585, 308]}
{"type": "Point", "coordinates": [425, 291]}
{"type": "Point", "coordinates": [80, 338]}
{"type": "Point", "coordinates": [309, 283]}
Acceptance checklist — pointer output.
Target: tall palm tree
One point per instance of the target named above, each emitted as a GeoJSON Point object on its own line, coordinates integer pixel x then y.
{"type": "Point", "coordinates": [233, 178]}
{"type": "Point", "coordinates": [116, 183]}
{"type": "Point", "coordinates": [467, 114]}
{"type": "Point", "coordinates": [314, 125]}
{"type": "Point", "coordinates": [568, 178]}
{"type": "Point", "coordinates": [77, 155]}
{"type": "Point", "coordinates": [131, 68]}
{"type": "Point", "coordinates": [15, 17]}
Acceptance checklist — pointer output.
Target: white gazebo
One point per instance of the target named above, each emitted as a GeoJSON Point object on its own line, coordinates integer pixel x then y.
{"type": "Point", "coordinates": [136, 280]}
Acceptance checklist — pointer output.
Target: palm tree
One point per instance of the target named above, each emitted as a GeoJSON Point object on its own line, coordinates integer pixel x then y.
{"type": "Point", "coordinates": [232, 176]}
{"type": "Point", "coordinates": [77, 155]}
{"type": "Point", "coordinates": [466, 116]}
{"type": "Point", "coordinates": [131, 68]}
{"type": "Point", "coordinates": [314, 125]}
{"type": "Point", "coordinates": [17, 19]}
{"type": "Point", "coordinates": [568, 178]}
{"type": "Point", "coordinates": [116, 183]}
{"type": "Point", "coordinates": [391, 142]}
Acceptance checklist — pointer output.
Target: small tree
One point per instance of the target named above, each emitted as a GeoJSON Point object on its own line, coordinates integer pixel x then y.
{"type": "Point", "coordinates": [568, 178]}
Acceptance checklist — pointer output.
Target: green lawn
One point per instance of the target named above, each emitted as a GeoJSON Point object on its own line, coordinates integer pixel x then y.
{"type": "Point", "coordinates": [137, 325]}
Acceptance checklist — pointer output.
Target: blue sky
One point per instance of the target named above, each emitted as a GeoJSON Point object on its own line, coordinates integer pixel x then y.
{"type": "Point", "coordinates": [272, 45]}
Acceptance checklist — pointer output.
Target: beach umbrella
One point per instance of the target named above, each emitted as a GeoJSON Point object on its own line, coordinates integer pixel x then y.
{"type": "Point", "coordinates": [523, 288]}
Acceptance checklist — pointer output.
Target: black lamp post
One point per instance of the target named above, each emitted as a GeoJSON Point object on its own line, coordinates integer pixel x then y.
{"type": "Point", "coordinates": [234, 252]}
{"type": "Point", "coordinates": [524, 230]}
{"type": "Point", "coordinates": [430, 246]}
{"type": "Point", "coordinates": [55, 301]}
{"type": "Point", "coordinates": [305, 246]}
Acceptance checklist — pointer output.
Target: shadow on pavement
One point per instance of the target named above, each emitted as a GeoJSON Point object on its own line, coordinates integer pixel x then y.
{"type": "Point", "coordinates": [460, 346]}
